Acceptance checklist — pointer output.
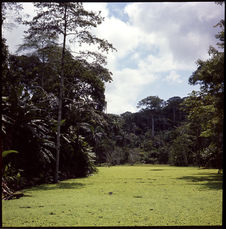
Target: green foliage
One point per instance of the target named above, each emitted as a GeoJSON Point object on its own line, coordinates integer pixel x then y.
{"type": "Point", "coordinates": [212, 156]}
{"type": "Point", "coordinates": [128, 138]}
{"type": "Point", "coordinates": [151, 103]}
{"type": "Point", "coordinates": [47, 27]}
{"type": "Point", "coordinates": [205, 108]}
{"type": "Point", "coordinates": [29, 106]}
{"type": "Point", "coordinates": [6, 152]}
{"type": "Point", "coordinates": [181, 147]}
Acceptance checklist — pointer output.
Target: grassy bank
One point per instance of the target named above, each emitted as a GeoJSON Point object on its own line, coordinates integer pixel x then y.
{"type": "Point", "coordinates": [125, 196]}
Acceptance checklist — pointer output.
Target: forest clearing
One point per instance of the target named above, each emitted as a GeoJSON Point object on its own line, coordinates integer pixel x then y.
{"type": "Point", "coordinates": [112, 115]}
{"type": "Point", "coordinates": [139, 195]}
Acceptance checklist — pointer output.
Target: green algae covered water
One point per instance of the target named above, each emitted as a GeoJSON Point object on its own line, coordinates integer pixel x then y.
{"type": "Point", "coordinates": [145, 195]}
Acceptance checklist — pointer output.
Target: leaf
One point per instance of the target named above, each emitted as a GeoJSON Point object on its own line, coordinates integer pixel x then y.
{"type": "Point", "coordinates": [6, 152]}
{"type": "Point", "coordinates": [86, 126]}
{"type": "Point", "coordinates": [66, 139]}
{"type": "Point", "coordinates": [207, 133]}
{"type": "Point", "coordinates": [62, 122]}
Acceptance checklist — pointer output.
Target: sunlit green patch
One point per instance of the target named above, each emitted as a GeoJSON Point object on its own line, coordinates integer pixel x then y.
{"type": "Point", "coordinates": [124, 196]}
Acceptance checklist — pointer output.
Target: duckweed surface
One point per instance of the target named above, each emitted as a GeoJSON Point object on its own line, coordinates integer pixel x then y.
{"type": "Point", "coordinates": [145, 195]}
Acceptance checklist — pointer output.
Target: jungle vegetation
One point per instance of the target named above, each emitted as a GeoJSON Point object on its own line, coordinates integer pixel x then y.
{"type": "Point", "coordinates": [54, 125]}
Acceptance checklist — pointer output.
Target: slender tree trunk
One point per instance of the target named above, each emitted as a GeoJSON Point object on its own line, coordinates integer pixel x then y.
{"type": "Point", "coordinates": [60, 99]}
{"type": "Point", "coordinates": [1, 72]}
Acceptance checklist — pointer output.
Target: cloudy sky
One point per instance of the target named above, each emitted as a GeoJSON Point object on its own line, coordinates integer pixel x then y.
{"type": "Point", "coordinates": [158, 44]}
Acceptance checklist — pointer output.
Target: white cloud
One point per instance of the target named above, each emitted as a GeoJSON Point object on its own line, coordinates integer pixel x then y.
{"type": "Point", "coordinates": [122, 94]}
{"type": "Point", "coordinates": [173, 77]}
{"type": "Point", "coordinates": [182, 33]}
{"type": "Point", "coordinates": [123, 36]}
{"type": "Point", "coordinates": [15, 33]}
{"type": "Point", "coordinates": [187, 26]}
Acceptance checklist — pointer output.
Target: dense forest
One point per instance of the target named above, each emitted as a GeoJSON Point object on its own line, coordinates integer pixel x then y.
{"type": "Point", "coordinates": [54, 124]}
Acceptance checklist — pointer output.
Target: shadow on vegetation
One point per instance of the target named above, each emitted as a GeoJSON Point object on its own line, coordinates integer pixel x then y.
{"type": "Point", "coordinates": [212, 180]}
{"type": "Point", "coordinates": [61, 185]}
{"type": "Point", "coordinates": [27, 195]}
{"type": "Point", "coordinates": [138, 196]}
{"type": "Point", "coordinates": [156, 169]}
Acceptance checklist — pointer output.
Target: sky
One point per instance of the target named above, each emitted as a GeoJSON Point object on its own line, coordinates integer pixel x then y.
{"type": "Point", "coordinates": [158, 44]}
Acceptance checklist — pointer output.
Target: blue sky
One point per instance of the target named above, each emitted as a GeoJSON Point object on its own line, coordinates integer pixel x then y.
{"type": "Point", "coordinates": [158, 45]}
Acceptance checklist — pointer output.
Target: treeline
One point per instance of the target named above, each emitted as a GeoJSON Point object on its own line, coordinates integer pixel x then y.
{"type": "Point", "coordinates": [142, 137]}
{"type": "Point", "coordinates": [52, 100]}
{"type": "Point", "coordinates": [37, 86]}
{"type": "Point", "coordinates": [179, 131]}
